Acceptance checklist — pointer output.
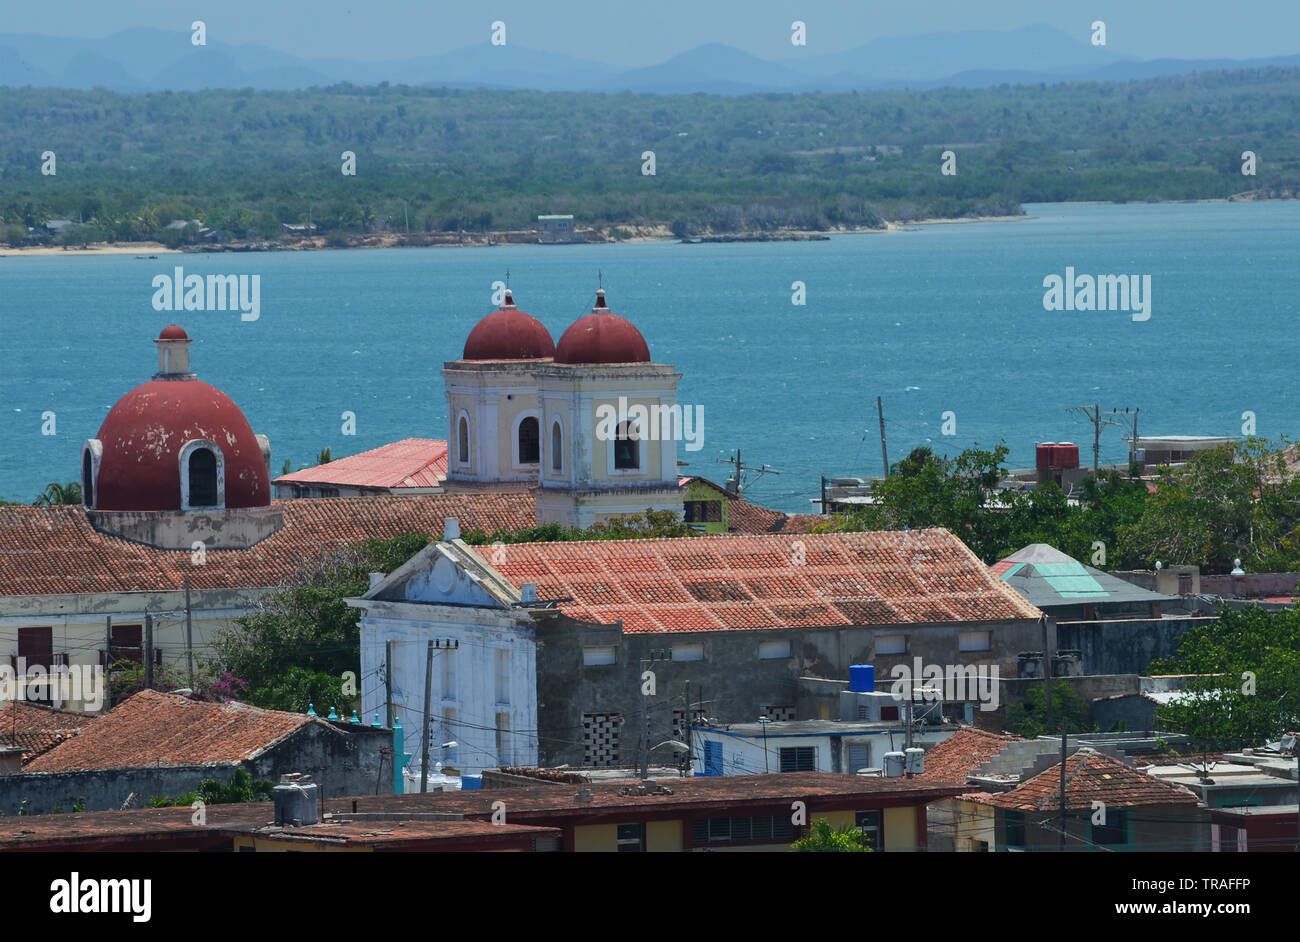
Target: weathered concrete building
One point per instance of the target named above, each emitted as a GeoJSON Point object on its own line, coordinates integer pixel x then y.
{"type": "Point", "coordinates": [737, 620]}
{"type": "Point", "coordinates": [157, 744]}
{"type": "Point", "coordinates": [1138, 812]}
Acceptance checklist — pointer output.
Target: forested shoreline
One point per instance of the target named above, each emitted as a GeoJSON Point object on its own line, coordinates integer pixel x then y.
{"type": "Point", "coordinates": [246, 163]}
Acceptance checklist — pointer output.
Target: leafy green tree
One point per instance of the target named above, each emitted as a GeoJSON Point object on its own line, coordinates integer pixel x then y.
{"type": "Point", "coordinates": [1029, 717]}
{"type": "Point", "coordinates": [1247, 688]}
{"type": "Point", "coordinates": [822, 838]}
{"type": "Point", "coordinates": [300, 688]}
{"type": "Point", "coordinates": [242, 788]}
{"type": "Point", "coordinates": [307, 630]}
{"type": "Point", "coordinates": [652, 524]}
{"type": "Point", "coordinates": [1237, 501]}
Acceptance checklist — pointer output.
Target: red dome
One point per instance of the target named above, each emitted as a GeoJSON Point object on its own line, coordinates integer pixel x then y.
{"type": "Point", "coordinates": [602, 337]}
{"type": "Point", "coordinates": [509, 334]}
{"type": "Point", "coordinates": [142, 437]}
{"type": "Point", "coordinates": [173, 332]}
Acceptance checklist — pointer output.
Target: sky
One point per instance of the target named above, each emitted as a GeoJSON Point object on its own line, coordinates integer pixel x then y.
{"type": "Point", "coordinates": [632, 33]}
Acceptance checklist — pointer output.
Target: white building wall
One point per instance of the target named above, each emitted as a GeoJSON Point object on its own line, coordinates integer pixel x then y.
{"type": "Point", "coordinates": [744, 755]}
{"type": "Point", "coordinates": [466, 710]}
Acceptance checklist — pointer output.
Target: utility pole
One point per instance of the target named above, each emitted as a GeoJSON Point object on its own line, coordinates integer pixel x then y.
{"type": "Point", "coordinates": [741, 469]}
{"type": "Point", "coordinates": [1064, 734]}
{"type": "Point", "coordinates": [189, 633]}
{"type": "Point", "coordinates": [1047, 672]}
{"type": "Point", "coordinates": [911, 698]}
{"type": "Point", "coordinates": [645, 738]}
{"type": "Point", "coordinates": [148, 651]}
{"type": "Point", "coordinates": [1133, 428]}
{"type": "Point", "coordinates": [388, 682]}
{"type": "Point", "coordinates": [880, 412]}
{"type": "Point", "coordinates": [108, 659]}
{"type": "Point", "coordinates": [1094, 416]}
{"type": "Point", "coordinates": [689, 720]}
{"type": "Point", "coordinates": [424, 747]}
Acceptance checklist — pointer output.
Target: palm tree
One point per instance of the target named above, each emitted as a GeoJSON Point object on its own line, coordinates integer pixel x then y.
{"type": "Point", "coordinates": [56, 493]}
{"type": "Point", "coordinates": [824, 838]}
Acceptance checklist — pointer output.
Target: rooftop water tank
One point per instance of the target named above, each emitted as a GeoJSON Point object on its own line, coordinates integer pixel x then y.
{"type": "Point", "coordinates": [296, 800]}
{"type": "Point", "coordinates": [862, 678]}
{"type": "Point", "coordinates": [1045, 453]}
{"type": "Point", "coordinates": [895, 764]}
{"type": "Point", "coordinates": [1067, 455]}
{"type": "Point", "coordinates": [915, 760]}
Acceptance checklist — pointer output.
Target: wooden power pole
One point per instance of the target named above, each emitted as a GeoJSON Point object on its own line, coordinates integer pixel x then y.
{"type": "Point", "coordinates": [424, 747]}
{"type": "Point", "coordinates": [880, 412]}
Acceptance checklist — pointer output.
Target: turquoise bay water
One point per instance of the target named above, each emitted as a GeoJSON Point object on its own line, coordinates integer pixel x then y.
{"type": "Point", "coordinates": [944, 318]}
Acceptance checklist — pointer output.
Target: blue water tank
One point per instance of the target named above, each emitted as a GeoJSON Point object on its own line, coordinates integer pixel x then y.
{"type": "Point", "coordinates": [862, 678]}
{"type": "Point", "coordinates": [471, 783]}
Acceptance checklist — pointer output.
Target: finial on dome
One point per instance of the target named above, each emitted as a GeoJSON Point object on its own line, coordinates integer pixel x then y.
{"type": "Point", "coordinates": [600, 300]}
{"type": "Point", "coordinates": [509, 299]}
{"type": "Point", "coordinates": [173, 353]}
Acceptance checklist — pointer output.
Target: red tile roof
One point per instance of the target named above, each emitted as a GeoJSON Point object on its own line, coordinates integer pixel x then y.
{"type": "Point", "coordinates": [1091, 776]}
{"type": "Point", "coordinates": [746, 517]}
{"type": "Point", "coordinates": [158, 729]}
{"type": "Point", "coordinates": [37, 729]}
{"type": "Point", "coordinates": [412, 462]}
{"type": "Point", "coordinates": [54, 550]}
{"type": "Point", "coordinates": [962, 753]}
{"type": "Point", "coordinates": [720, 582]}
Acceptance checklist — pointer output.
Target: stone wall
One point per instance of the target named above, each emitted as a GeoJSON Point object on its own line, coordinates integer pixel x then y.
{"type": "Point", "coordinates": [343, 760]}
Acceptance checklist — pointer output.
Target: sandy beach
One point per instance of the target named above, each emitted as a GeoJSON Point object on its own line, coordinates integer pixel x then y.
{"type": "Point", "coordinates": [116, 248]}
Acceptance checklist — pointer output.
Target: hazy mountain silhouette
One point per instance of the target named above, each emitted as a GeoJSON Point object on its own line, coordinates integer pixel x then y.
{"type": "Point", "coordinates": [155, 60]}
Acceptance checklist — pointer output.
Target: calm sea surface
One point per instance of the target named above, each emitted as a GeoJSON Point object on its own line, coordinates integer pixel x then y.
{"type": "Point", "coordinates": [942, 319]}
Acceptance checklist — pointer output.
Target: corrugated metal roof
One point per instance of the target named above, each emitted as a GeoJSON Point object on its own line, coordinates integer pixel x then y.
{"type": "Point", "coordinates": [411, 462]}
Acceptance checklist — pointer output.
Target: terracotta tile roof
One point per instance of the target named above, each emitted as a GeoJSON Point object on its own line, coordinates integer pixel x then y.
{"type": "Point", "coordinates": [746, 517]}
{"type": "Point", "coordinates": [538, 808]}
{"type": "Point", "coordinates": [37, 729]}
{"type": "Point", "coordinates": [384, 833]}
{"type": "Point", "coordinates": [154, 729]}
{"type": "Point", "coordinates": [411, 462]}
{"type": "Point", "coordinates": [962, 753]}
{"type": "Point", "coordinates": [1091, 776]}
{"type": "Point", "coordinates": [54, 550]}
{"type": "Point", "coordinates": [704, 793]}
{"type": "Point", "coordinates": [721, 582]}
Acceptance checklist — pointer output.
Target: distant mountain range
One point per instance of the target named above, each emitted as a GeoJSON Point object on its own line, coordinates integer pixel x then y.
{"type": "Point", "coordinates": [142, 60]}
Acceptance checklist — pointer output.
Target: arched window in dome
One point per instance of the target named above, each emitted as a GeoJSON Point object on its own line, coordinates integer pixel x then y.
{"type": "Point", "coordinates": [88, 479]}
{"type": "Point", "coordinates": [529, 441]}
{"type": "Point", "coordinates": [91, 453]}
{"type": "Point", "coordinates": [202, 469]}
{"type": "Point", "coordinates": [203, 475]}
{"type": "Point", "coordinates": [627, 448]}
{"type": "Point", "coordinates": [462, 439]}
{"type": "Point", "coordinates": [557, 446]}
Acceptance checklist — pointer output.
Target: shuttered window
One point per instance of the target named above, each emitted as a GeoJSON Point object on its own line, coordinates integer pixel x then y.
{"type": "Point", "coordinates": [799, 759]}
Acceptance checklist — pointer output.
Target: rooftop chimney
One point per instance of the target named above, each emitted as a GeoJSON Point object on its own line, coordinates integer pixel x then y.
{"type": "Point", "coordinates": [528, 592]}
{"type": "Point", "coordinates": [452, 530]}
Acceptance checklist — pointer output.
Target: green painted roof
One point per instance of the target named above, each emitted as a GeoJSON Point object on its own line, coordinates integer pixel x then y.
{"type": "Point", "coordinates": [1050, 579]}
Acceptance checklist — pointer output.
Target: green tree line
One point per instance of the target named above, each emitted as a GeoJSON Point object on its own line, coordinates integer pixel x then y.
{"type": "Point", "coordinates": [245, 161]}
